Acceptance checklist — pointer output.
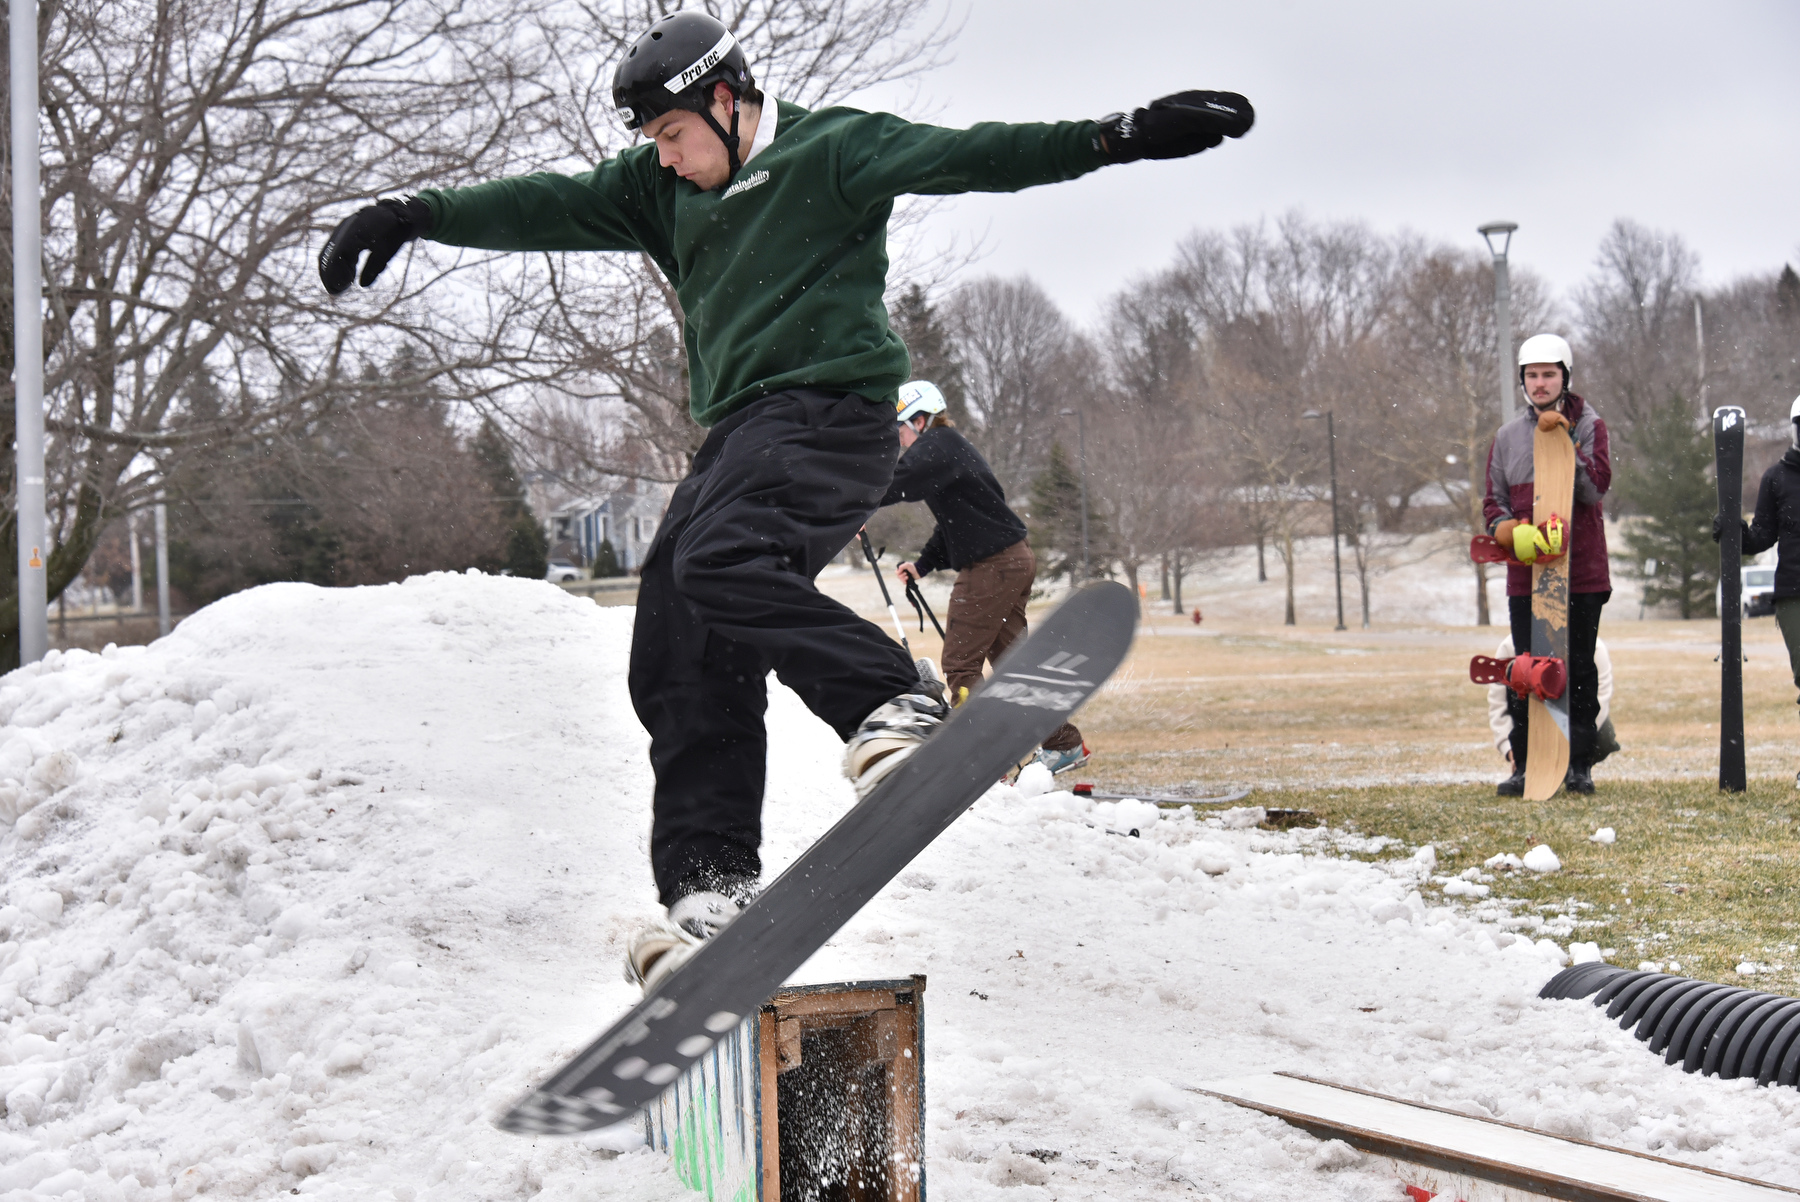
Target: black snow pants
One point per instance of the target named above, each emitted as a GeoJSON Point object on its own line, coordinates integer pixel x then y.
{"type": "Point", "coordinates": [1584, 677]}
{"type": "Point", "coordinates": [727, 595]}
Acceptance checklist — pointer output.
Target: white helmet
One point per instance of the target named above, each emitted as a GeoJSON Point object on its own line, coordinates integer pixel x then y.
{"type": "Point", "coordinates": [916, 397]}
{"type": "Point", "coordinates": [1547, 348]}
{"type": "Point", "coordinates": [1794, 410]}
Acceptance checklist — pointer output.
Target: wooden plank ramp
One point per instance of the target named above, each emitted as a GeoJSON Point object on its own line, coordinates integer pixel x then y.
{"type": "Point", "coordinates": [1454, 1157]}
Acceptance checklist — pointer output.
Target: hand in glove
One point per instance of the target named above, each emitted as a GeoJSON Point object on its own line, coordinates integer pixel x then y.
{"type": "Point", "coordinates": [381, 229]}
{"type": "Point", "coordinates": [1528, 542]}
{"type": "Point", "coordinates": [1550, 419]}
{"type": "Point", "coordinates": [1718, 527]}
{"type": "Point", "coordinates": [1175, 126]}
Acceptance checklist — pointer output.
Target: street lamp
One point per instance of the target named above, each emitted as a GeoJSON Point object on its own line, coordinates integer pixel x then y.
{"type": "Point", "coordinates": [28, 335]}
{"type": "Point", "coordinates": [1502, 230]}
{"type": "Point", "coordinates": [1081, 436]}
{"type": "Point", "coordinates": [1337, 561]}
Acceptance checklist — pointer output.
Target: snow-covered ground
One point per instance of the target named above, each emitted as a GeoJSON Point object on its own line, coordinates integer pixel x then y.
{"type": "Point", "coordinates": [300, 897]}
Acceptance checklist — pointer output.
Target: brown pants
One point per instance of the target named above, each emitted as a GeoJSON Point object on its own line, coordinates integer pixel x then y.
{"type": "Point", "coordinates": [987, 612]}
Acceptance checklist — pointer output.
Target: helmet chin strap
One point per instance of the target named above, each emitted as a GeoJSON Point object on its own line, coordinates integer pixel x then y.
{"type": "Point", "coordinates": [730, 139]}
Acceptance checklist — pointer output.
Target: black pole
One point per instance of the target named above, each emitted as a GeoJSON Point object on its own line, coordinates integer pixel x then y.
{"type": "Point", "coordinates": [1728, 463]}
{"type": "Point", "coordinates": [1337, 561]}
{"type": "Point", "coordinates": [1081, 436]}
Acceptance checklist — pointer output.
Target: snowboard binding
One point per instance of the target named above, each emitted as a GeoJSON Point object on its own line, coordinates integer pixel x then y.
{"type": "Point", "coordinates": [1550, 538]}
{"type": "Point", "coordinates": [1537, 676]}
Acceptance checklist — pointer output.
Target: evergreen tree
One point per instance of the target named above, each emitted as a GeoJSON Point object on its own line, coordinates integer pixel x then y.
{"type": "Point", "coordinates": [527, 549]}
{"type": "Point", "coordinates": [1055, 521]}
{"type": "Point", "coordinates": [933, 354]}
{"type": "Point", "coordinates": [606, 561]}
{"type": "Point", "coordinates": [1787, 293]}
{"type": "Point", "coordinates": [1666, 482]}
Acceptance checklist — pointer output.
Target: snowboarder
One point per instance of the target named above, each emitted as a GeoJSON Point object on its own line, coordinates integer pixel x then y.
{"type": "Point", "coordinates": [1546, 365]}
{"type": "Point", "coordinates": [770, 221]}
{"type": "Point", "coordinates": [1777, 524]}
{"type": "Point", "coordinates": [981, 539]}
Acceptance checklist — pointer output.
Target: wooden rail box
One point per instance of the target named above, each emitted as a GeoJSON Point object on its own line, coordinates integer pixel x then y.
{"type": "Point", "coordinates": [820, 1097]}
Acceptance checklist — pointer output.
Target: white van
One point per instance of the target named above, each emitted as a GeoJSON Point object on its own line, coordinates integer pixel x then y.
{"type": "Point", "coordinates": [1758, 592]}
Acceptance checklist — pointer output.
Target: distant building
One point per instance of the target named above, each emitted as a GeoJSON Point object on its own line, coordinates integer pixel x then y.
{"type": "Point", "coordinates": [628, 519]}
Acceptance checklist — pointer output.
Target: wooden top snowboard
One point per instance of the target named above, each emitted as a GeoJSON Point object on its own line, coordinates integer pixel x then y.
{"type": "Point", "coordinates": [1547, 729]}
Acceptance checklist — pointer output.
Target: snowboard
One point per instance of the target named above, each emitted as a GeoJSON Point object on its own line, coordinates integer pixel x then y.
{"type": "Point", "coordinates": [1728, 463]}
{"type": "Point", "coordinates": [1040, 681]}
{"type": "Point", "coordinates": [1547, 724]}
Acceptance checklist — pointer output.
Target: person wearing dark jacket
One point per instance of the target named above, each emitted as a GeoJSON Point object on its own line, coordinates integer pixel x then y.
{"type": "Point", "coordinates": [1777, 524]}
{"type": "Point", "coordinates": [981, 539]}
{"type": "Point", "coordinates": [1545, 366]}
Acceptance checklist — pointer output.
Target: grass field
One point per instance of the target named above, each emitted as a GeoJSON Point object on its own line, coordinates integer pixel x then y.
{"type": "Point", "coordinates": [1381, 730]}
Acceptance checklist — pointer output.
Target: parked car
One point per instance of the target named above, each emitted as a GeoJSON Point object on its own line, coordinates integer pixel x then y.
{"type": "Point", "coordinates": [1758, 592]}
{"type": "Point", "coordinates": [562, 571]}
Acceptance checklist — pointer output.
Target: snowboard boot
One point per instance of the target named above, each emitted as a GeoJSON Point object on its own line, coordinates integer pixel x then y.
{"type": "Point", "coordinates": [1579, 779]}
{"type": "Point", "coordinates": [893, 732]}
{"type": "Point", "coordinates": [1514, 785]}
{"type": "Point", "coordinates": [662, 947]}
{"type": "Point", "coordinates": [1063, 761]}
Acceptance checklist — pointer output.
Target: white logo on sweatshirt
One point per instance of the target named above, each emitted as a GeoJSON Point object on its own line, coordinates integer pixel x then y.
{"type": "Point", "coordinates": [745, 184]}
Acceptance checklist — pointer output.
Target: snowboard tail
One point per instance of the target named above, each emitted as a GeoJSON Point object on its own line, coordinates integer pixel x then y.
{"type": "Point", "coordinates": [1040, 681]}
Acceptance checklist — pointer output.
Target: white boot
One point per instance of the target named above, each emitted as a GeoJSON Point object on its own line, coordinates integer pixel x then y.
{"type": "Point", "coordinates": [890, 734]}
{"type": "Point", "coordinates": [662, 947]}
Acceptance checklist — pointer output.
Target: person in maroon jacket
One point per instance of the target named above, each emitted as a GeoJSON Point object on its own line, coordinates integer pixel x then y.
{"type": "Point", "coordinates": [1545, 367]}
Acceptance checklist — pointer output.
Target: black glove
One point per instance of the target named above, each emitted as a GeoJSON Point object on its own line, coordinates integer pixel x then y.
{"type": "Point", "coordinates": [381, 229]}
{"type": "Point", "coordinates": [1175, 126]}
{"type": "Point", "coordinates": [1718, 530]}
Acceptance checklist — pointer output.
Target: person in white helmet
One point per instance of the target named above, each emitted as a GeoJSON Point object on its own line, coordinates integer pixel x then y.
{"type": "Point", "coordinates": [1777, 524]}
{"type": "Point", "coordinates": [1546, 364]}
{"type": "Point", "coordinates": [981, 539]}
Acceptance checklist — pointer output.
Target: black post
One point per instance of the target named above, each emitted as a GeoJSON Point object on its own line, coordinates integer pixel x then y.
{"type": "Point", "coordinates": [1337, 561]}
{"type": "Point", "coordinates": [1728, 451]}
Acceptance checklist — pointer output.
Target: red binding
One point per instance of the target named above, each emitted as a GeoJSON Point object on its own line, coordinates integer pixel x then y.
{"type": "Point", "coordinates": [1540, 676]}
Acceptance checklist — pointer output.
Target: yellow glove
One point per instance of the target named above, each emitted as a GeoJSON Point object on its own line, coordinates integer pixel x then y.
{"type": "Point", "coordinates": [1528, 542]}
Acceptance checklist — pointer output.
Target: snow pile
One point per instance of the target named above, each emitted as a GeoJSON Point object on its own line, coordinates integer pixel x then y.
{"type": "Point", "coordinates": [1542, 859]}
{"type": "Point", "coordinates": [300, 897]}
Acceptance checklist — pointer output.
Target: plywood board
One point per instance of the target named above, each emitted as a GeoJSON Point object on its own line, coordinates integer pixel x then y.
{"type": "Point", "coordinates": [1508, 1162]}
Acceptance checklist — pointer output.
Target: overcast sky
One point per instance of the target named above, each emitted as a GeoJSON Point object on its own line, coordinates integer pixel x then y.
{"type": "Point", "coordinates": [1432, 117]}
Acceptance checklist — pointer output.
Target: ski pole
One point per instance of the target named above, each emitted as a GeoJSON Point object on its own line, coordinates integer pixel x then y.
{"type": "Point", "coordinates": [916, 595]}
{"type": "Point", "coordinates": [893, 613]}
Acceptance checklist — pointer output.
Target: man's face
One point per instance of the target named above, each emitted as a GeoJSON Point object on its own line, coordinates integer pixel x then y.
{"type": "Point", "coordinates": [687, 144]}
{"type": "Point", "coordinates": [909, 432]}
{"type": "Point", "coordinates": [1543, 383]}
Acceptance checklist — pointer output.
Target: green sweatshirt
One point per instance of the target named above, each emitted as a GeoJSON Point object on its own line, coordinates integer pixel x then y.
{"type": "Point", "coordinates": [782, 273]}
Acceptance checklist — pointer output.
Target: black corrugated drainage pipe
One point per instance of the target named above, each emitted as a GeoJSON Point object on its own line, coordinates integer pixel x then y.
{"type": "Point", "coordinates": [1717, 1030]}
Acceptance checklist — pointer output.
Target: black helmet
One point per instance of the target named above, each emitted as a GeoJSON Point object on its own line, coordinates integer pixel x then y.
{"type": "Point", "coordinates": [674, 65]}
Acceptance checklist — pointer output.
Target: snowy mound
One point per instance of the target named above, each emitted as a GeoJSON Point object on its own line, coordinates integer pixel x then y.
{"type": "Point", "coordinates": [298, 898]}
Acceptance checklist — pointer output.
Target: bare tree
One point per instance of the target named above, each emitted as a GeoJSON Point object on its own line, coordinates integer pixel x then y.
{"type": "Point", "coordinates": [1636, 318]}
{"type": "Point", "coordinates": [1436, 373]}
{"type": "Point", "coordinates": [191, 148]}
{"type": "Point", "coordinates": [1014, 347]}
